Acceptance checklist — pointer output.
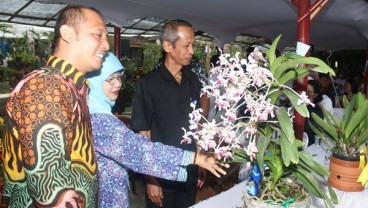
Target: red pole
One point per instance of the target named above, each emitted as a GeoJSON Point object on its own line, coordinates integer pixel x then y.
{"type": "Point", "coordinates": [301, 84]}
{"type": "Point", "coordinates": [117, 42]}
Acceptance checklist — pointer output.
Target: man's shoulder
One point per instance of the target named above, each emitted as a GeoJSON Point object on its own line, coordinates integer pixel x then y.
{"type": "Point", "coordinates": [47, 75]}
{"type": "Point", "coordinates": [152, 75]}
{"type": "Point", "coordinates": [44, 72]}
{"type": "Point", "coordinates": [39, 79]}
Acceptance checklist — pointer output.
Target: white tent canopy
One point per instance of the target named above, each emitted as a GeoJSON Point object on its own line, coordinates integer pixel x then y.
{"type": "Point", "coordinates": [341, 25]}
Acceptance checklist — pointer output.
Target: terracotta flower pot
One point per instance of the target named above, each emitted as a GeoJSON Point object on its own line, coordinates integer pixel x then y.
{"type": "Point", "coordinates": [344, 173]}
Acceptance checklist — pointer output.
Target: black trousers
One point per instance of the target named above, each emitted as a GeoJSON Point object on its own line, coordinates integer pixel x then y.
{"type": "Point", "coordinates": [176, 199]}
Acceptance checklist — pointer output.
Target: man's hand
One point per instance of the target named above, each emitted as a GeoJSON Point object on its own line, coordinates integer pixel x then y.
{"type": "Point", "coordinates": [154, 191]}
{"type": "Point", "coordinates": [209, 161]}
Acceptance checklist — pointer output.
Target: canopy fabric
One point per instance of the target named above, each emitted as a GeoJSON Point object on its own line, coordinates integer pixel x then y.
{"type": "Point", "coordinates": [341, 25]}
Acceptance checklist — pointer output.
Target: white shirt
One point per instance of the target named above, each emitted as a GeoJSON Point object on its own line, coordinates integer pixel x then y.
{"type": "Point", "coordinates": [326, 103]}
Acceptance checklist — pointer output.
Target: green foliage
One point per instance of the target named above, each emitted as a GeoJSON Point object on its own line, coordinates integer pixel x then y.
{"type": "Point", "coordinates": [28, 51]}
{"type": "Point", "coordinates": [42, 47]}
{"type": "Point", "coordinates": [21, 52]}
{"type": "Point", "coordinates": [130, 73]}
{"type": "Point", "coordinates": [151, 55]}
{"type": "Point", "coordinates": [233, 49]}
{"type": "Point", "coordinates": [283, 154]}
{"type": "Point", "coordinates": [349, 136]}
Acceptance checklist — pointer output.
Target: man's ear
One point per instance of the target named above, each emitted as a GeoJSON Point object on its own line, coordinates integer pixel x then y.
{"type": "Point", "coordinates": [167, 46]}
{"type": "Point", "coordinates": [67, 33]}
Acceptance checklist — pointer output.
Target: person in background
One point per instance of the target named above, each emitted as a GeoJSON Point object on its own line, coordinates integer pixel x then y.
{"type": "Point", "coordinates": [327, 87]}
{"type": "Point", "coordinates": [161, 107]}
{"type": "Point", "coordinates": [118, 147]}
{"type": "Point", "coordinates": [350, 88]}
{"type": "Point", "coordinates": [48, 154]}
{"type": "Point", "coordinates": [315, 96]}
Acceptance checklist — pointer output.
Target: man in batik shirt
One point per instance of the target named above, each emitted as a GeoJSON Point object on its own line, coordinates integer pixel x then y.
{"type": "Point", "coordinates": [48, 152]}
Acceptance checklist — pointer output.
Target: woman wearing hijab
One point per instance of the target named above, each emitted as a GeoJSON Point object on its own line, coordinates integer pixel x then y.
{"type": "Point", "coordinates": [118, 148]}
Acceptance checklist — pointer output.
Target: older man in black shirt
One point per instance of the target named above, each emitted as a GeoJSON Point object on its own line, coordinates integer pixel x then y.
{"type": "Point", "coordinates": [161, 107]}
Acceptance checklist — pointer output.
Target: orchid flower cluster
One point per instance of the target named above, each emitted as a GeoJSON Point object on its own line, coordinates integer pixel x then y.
{"type": "Point", "coordinates": [239, 82]}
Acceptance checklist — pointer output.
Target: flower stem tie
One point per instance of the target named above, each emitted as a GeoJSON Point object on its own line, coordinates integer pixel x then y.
{"type": "Point", "coordinates": [283, 203]}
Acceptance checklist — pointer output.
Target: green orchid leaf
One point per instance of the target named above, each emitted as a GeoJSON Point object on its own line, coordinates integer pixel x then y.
{"type": "Point", "coordinates": [289, 151]}
{"type": "Point", "coordinates": [284, 67]}
{"type": "Point", "coordinates": [349, 108]}
{"type": "Point", "coordinates": [313, 164]}
{"type": "Point", "coordinates": [355, 120]}
{"type": "Point", "coordinates": [277, 62]}
{"type": "Point", "coordinates": [294, 98]}
{"type": "Point", "coordinates": [308, 180]}
{"type": "Point", "coordinates": [333, 195]}
{"type": "Point", "coordinates": [331, 118]}
{"type": "Point", "coordinates": [290, 75]}
{"type": "Point", "coordinates": [321, 66]}
{"type": "Point", "coordinates": [310, 183]}
{"type": "Point", "coordinates": [361, 100]}
{"type": "Point", "coordinates": [239, 156]}
{"type": "Point", "coordinates": [328, 129]}
{"type": "Point", "coordinates": [302, 72]}
{"type": "Point", "coordinates": [316, 130]}
{"type": "Point", "coordinates": [363, 137]}
{"type": "Point", "coordinates": [262, 144]}
{"type": "Point", "coordinates": [285, 124]}
{"type": "Point", "coordinates": [271, 53]}
{"type": "Point", "coordinates": [275, 95]}
{"type": "Point", "coordinates": [345, 101]}
{"type": "Point", "coordinates": [275, 164]}
{"type": "Point", "coordinates": [299, 143]}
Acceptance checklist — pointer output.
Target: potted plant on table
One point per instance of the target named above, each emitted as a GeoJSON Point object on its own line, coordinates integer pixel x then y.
{"type": "Point", "coordinates": [281, 168]}
{"type": "Point", "coordinates": [348, 141]}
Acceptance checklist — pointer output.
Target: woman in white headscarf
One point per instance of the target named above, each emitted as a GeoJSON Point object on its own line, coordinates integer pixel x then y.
{"type": "Point", "coordinates": [118, 147]}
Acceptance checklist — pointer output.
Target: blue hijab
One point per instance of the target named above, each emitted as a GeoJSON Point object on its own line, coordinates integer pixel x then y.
{"type": "Point", "coordinates": [98, 102]}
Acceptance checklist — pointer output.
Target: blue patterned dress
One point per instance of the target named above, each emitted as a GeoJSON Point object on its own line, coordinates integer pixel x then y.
{"type": "Point", "coordinates": [118, 149]}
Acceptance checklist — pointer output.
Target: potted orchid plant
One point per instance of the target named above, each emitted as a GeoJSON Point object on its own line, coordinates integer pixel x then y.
{"type": "Point", "coordinates": [255, 84]}
{"type": "Point", "coordinates": [347, 139]}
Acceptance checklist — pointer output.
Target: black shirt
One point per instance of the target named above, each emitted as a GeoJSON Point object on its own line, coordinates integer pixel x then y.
{"type": "Point", "coordinates": [162, 106]}
{"type": "Point", "coordinates": [307, 129]}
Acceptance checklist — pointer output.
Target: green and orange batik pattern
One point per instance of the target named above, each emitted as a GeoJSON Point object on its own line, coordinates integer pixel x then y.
{"type": "Point", "coordinates": [48, 152]}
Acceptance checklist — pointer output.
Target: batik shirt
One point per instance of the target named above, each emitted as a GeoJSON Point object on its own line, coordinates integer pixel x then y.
{"type": "Point", "coordinates": [119, 148]}
{"type": "Point", "coordinates": [48, 149]}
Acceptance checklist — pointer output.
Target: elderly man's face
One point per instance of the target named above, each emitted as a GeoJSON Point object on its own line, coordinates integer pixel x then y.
{"type": "Point", "coordinates": [182, 51]}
